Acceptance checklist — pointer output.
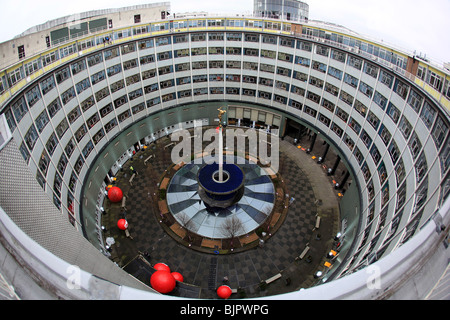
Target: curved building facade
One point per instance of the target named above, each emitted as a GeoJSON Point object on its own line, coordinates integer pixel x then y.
{"type": "Point", "coordinates": [74, 111]}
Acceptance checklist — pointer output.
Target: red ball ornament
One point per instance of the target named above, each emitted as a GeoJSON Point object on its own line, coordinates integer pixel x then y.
{"type": "Point", "coordinates": [115, 194]}
{"type": "Point", "coordinates": [178, 276]}
{"type": "Point", "coordinates": [224, 292]}
{"type": "Point", "coordinates": [162, 281]}
{"type": "Point", "coordinates": [162, 267]}
{"type": "Point", "coordinates": [122, 224]}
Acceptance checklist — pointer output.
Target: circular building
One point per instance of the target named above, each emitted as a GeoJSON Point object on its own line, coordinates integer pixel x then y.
{"type": "Point", "coordinates": [82, 101]}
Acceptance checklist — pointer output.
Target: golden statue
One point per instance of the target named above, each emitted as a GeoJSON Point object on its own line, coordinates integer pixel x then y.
{"type": "Point", "coordinates": [221, 112]}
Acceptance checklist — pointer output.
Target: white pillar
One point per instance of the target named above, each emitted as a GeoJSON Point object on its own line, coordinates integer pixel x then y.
{"type": "Point", "coordinates": [220, 154]}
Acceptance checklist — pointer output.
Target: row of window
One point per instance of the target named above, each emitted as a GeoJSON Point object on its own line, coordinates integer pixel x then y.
{"type": "Point", "coordinates": [400, 88]}
{"type": "Point", "coordinates": [415, 145]}
{"type": "Point", "coordinates": [414, 99]}
{"type": "Point", "coordinates": [428, 114]}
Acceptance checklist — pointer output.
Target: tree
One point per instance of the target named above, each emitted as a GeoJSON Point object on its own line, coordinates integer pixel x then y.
{"type": "Point", "coordinates": [231, 227]}
{"type": "Point", "coordinates": [186, 223]}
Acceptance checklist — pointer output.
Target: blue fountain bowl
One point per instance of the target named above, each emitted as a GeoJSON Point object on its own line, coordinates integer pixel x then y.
{"type": "Point", "coordinates": [208, 179]}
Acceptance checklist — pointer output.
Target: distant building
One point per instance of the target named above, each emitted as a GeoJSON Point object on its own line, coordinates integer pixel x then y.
{"type": "Point", "coordinates": [282, 9]}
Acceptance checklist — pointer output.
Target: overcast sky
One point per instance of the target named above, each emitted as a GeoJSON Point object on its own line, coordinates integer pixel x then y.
{"type": "Point", "coordinates": [413, 25]}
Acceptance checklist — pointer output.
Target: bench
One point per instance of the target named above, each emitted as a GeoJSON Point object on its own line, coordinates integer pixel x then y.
{"type": "Point", "coordinates": [131, 179]}
{"type": "Point", "coordinates": [146, 160]}
{"type": "Point", "coordinates": [303, 254]}
{"type": "Point", "coordinates": [127, 234]}
{"type": "Point", "coordinates": [169, 145]}
{"type": "Point", "coordinates": [124, 202]}
{"type": "Point", "coordinates": [318, 222]}
{"type": "Point", "coordinates": [272, 279]}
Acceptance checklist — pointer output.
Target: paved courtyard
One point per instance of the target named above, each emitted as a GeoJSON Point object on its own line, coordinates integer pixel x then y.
{"type": "Point", "coordinates": [245, 271]}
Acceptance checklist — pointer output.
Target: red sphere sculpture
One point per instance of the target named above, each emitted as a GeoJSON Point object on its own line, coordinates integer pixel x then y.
{"type": "Point", "coordinates": [224, 292]}
{"type": "Point", "coordinates": [162, 281]}
{"type": "Point", "coordinates": [178, 276]}
{"type": "Point", "coordinates": [122, 224]}
{"type": "Point", "coordinates": [115, 194]}
{"type": "Point", "coordinates": [162, 267]}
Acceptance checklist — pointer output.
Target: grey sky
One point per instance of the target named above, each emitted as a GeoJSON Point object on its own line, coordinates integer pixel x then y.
{"type": "Point", "coordinates": [413, 25]}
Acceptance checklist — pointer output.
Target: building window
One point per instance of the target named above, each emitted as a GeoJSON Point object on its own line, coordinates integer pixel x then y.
{"type": "Point", "coordinates": [68, 95]}
{"type": "Point", "coordinates": [93, 120]}
{"type": "Point", "coordinates": [94, 59]}
{"type": "Point", "coordinates": [321, 67]}
{"type": "Point", "coordinates": [62, 164]}
{"type": "Point", "coordinates": [373, 120]}
{"type": "Point", "coordinates": [394, 152]}
{"type": "Point", "coordinates": [380, 100]}
{"type": "Point", "coordinates": [322, 50]}
{"type": "Point", "coordinates": [384, 134]}
{"type": "Point", "coordinates": [376, 156]}
{"type": "Point", "coordinates": [42, 120]}
{"type": "Point", "coordinates": [80, 133]}
{"type": "Point", "coordinates": [328, 105]}
{"type": "Point", "coordinates": [366, 89]}
{"type": "Point", "coordinates": [313, 97]}
{"type": "Point", "coordinates": [47, 84]}
{"type": "Point", "coordinates": [70, 147]}
{"type": "Point", "coordinates": [326, 121]}
{"type": "Point", "coordinates": [113, 123]}
{"type": "Point", "coordinates": [347, 98]}
{"type": "Point", "coordinates": [32, 67]}
{"type": "Point", "coordinates": [414, 145]}
{"type": "Point", "coordinates": [98, 136]}
{"type": "Point", "coordinates": [83, 85]}
{"type": "Point", "coordinates": [440, 131]}
{"type": "Point", "coordinates": [336, 73]}
{"type": "Point", "coordinates": [77, 67]}
{"type": "Point", "coordinates": [435, 80]}
{"type": "Point", "coordinates": [371, 70]}
{"type": "Point", "coordinates": [31, 137]}
{"type": "Point", "coordinates": [33, 96]}
{"type": "Point", "coordinates": [428, 114]}
{"type": "Point", "coordinates": [393, 112]}
{"type": "Point", "coordinates": [401, 89]}
{"type": "Point", "coordinates": [405, 127]}
{"type": "Point", "coordinates": [386, 79]}
{"type": "Point", "coordinates": [354, 62]}
{"type": "Point", "coordinates": [338, 55]}
{"type": "Point", "coordinates": [106, 110]}
{"type": "Point", "coordinates": [25, 153]}
{"type": "Point", "coordinates": [360, 107]}
{"type": "Point", "coordinates": [331, 89]}
{"type": "Point", "coordinates": [316, 82]}
{"type": "Point", "coordinates": [336, 129]}
{"type": "Point", "coordinates": [366, 139]}
{"type": "Point", "coordinates": [19, 109]}
{"type": "Point", "coordinates": [51, 144]}
{"type": "Point", "coordinates": [350, 80]}
{"type": "Point", "coordinates": [295, 104]}
{"type": "Point", "coordinates": [86, 104]}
